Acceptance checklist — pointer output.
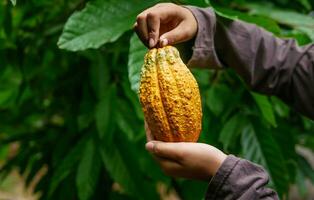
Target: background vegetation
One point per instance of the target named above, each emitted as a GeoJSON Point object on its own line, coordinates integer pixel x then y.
{"type": "Point", "coordinates": [69, 73]}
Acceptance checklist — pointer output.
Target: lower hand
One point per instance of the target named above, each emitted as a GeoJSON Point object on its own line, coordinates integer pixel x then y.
{"type": "Point", "coordinates": [186, 159]}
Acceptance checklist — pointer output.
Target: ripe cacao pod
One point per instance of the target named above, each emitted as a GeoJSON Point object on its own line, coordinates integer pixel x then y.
{"type": "Point", "coordinates": [170, 97]}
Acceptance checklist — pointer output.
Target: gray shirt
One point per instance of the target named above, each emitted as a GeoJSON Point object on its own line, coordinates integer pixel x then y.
{"type": "Point", "coordinates": [269, 65]}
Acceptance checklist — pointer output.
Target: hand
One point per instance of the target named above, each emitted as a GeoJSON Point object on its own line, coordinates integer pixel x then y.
{"type": "Point", "coordinates": [185, 159]}
{"type": "Point", "coordinates": [165, 24]}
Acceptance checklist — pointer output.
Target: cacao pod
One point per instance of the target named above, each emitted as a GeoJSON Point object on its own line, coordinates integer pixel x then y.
{"type": "Point", "coordinates": [170, 97]}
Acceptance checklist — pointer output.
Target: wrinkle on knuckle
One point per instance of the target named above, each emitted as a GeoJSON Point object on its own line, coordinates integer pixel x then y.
{"type": "Point", "coordinates": [156, 149]}
{"type": "Point", "coordinates": [180, 156]}
{"type": "Point", "coordinates": [140, 17]}
{"type": "Point", "coordinates": [152, 15]}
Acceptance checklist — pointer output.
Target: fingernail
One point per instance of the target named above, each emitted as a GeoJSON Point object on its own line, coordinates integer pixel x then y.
{"type": "Point", "coordinates": [164, 42]}
{"type": "Point", "coordinates": [151, 43]}
{"type": "Point", "coordinates": [149, 146]}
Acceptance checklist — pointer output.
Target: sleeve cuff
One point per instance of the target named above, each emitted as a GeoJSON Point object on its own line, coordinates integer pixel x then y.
{"type": "Point", "coordinates": [221, 176]}
{"type": "Point", "coordinates": [204, 54]}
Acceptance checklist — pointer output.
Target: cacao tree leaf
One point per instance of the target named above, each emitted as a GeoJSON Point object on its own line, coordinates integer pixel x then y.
{"type": "Point", "coordinates": [231, 130]}
{"type": "Point", "coordinates": [300, 183]}
{"type": "Point", "coordinates": [306, 168]}
{"type": "Point", "coordinates": [122, 165]}
{"type": "Point", "coordinates": [300, 36]}
{"type": "Point", "coordinates": [99, 73]}
{"type": "Point", "coordinates": [136, 61]}
{"type": "Point", "coordinates": [306, 4]}
{"type": "Point", "coordinates": [191, 189]}
{"type": "Point", "coordinates": [265, 107]}
{"type": "Point", "coordinates": [218, 97]}
{"type": "Point", "coordinates": [103, 113]}
{"type": "Point", "coordinates": [309, 142]}
{"type": "Point", "coordinates": [286, 17]}
{"type": "Point", "coordinates": [145, 189]}
{"type": "Point", "coordinates": [200, 3]}
{"type": "Point", "coordinates": [88, 171]}
{"type": "Point", "coordinates": [100, 22]}
{"type": "Point", "coordinates": [125, 122]}
{"type": "Point", "coordinates": [259, 146]}
{"type": "Point", "coordinates": [67, 165]}
{"type": "Point", "coordinates": [133, 99]}
{"type": "Point", "coordinates": [308, 31]}
{"type": "Point", "coordinates": [266, 23]}
{"type": "Point", "coordinates": [280, 107]}
{"type": "Point", "coordinates": [13, 2]}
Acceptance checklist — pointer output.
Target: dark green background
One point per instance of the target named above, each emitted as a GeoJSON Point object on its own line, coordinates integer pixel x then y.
{"type": "Point", "coordinates": [69, 73]}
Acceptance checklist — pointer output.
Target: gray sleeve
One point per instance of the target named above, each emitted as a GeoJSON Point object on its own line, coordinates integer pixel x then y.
{"type": "Point", "coordinates": [269, 65]}
{"type": "Point", "coordinates": [240, 179]}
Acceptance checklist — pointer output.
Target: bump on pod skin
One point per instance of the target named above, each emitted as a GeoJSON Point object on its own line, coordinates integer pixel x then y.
{"type": "Point", "coordinates": [170, 97]}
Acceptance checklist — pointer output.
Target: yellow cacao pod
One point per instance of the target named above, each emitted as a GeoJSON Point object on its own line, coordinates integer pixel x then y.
{"type": "Point", "coordinates": [170, 97]}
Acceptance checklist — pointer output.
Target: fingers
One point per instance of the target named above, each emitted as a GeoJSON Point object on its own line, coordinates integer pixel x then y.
{"type": "Point", "coordinates": [168, 150]}
{"type": "Point", "coordinates": [140, 28]}
{"type": "Point", "coordinates": [165, 24]}
{"type": "Point", "coordinates": [153, 25]}
{"type": "Point", "coordinates": [183, 32]}
{"type": "Point", "coordinates": [148, 22]}
{"type": "Point", "coordinates": [147, 26]}
{"type": "Point", "coordinates": [169, 167]}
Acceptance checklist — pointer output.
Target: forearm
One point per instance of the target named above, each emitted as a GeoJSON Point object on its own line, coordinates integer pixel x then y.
{"type": "Point", "coordinates": [240, 179]}
{"type": "Point", "coordinates": [268, 64]}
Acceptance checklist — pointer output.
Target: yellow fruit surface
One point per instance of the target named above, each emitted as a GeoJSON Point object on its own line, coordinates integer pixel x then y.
{"type": "Point", "coordinates": [170, 97]}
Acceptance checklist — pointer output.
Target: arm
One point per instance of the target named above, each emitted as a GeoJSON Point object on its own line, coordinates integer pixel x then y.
{"type": "Point", "coordinates": [229, 176]}
{"type": "Point", "coordinates": [268, 64]}
{"type": "Point", "coordinates": [239, 179]}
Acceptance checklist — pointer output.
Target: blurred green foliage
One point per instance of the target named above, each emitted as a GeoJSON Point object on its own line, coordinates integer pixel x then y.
{"type": "Point", "coordinates": [77, 114]}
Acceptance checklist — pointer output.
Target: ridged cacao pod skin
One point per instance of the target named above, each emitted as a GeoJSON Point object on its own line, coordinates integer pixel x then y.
{"type": "Point", "coordinates": [170, 97]}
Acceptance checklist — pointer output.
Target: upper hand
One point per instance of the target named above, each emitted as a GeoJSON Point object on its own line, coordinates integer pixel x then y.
{"type": "Point", "coordinates": [165, 24]}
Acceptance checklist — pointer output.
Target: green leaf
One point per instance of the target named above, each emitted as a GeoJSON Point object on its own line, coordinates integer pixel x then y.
{"type": "Point", "coordinates": [4, 150]}
{"type": "Point", "coordinates": [262, 21]}
{"type": "Point", "coordinates": [136, 61]}
{"type": "Point", "coordinates": [290, 18]}
{"type": "Point", "coordinates": [117, 168]}
{"type": "Point", "coordinates": [99, 73]}
{"type": "Point", "coordinates": [100, 22]}
{"type": "Point", "coordinates": [104, 110]}
{"type": "Point", "coordinates": [191, 189]}
{"type": "Point", "coordinates": [13, 2]}
{"type": "Point", "coordinates": [217, 98]}
{"type": "Point", "coordinates": [280, 107]}
{"type": "Point", "coordinates": [133, 98]}
{"type": "Point", "coordinates": [199, 3]}
{"type": "Point", "coordinates": [306, 4]}
{"type": "Point", "coordinates": [306, 168]}
{"type": "Point", "coordinates": [120, 160]}
{"type": "Point", "coordinates": [67, 165]}
{"type": "Point", "coordinates": [88, 172]}
{"type": "Point", "coordinates": [309, 142]}
{"type": "Point", "coordinates": [307, 31]}
{"type": "Point", "coordinates": [231, 130]}
{"type": "Point", "coordinates": [259, 146]}
{"type": "Point", "coordinates": [225, 15]}
{"type": "Point", "coordinates": [265, 107]}
{"type": "Point", "coordinates": [125, 122]}
{"type": "Point", "coordinates": [10, 81]}
{"type": "Point", "coordinates": [287, 17]}
{"type": "Point", "coordinates": [300, 183]}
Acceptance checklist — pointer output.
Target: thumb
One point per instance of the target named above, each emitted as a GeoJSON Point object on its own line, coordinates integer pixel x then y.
{"type": "Point", "coordinates": [179, 34]}
{"type": "Point", "coordinates": [168, 150]}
